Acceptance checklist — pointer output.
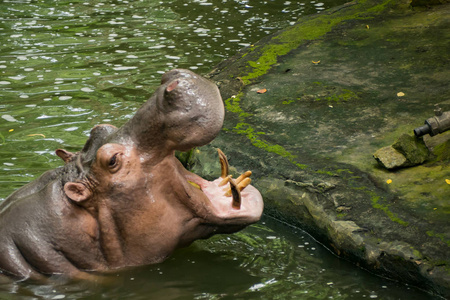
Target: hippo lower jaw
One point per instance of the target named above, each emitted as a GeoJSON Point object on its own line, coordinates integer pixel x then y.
{"type": "Point", "coordinates": [227, 201]}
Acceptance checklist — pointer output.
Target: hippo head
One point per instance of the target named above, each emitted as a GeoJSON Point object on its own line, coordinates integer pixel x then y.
{"type": "Point", "coordinates": [143, 203]}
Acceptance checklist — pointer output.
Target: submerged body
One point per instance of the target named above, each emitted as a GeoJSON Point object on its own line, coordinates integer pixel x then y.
{"type": "Point", "coordinates": [124, 199]}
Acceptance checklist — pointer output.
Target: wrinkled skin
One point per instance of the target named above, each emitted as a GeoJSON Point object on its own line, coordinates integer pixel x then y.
{"type": "Point", "coordinates": [125, 200]}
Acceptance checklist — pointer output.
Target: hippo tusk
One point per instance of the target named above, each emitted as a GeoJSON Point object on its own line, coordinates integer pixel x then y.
{"type": "Point", "coordinates": [236, 186]}
{"type": "Point", "coordinates": [236, 193]}
{"type": "Point", "coordinates": [239, 181]}
{"type": "Point", "coordinates": [239, 186]}
{"type": "Point", "coordinates": [225, 180]}
{"type": "Point", "coordinates": [224, 166]}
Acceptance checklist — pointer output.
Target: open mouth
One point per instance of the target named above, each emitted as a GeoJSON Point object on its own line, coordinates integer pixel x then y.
{"type": "Point", "coordinates": [229, 196]}
{"type": "Point", "coordinates": [235, 185]}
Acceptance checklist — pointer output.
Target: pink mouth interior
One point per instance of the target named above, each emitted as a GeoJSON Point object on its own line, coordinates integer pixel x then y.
{"type": "Point", "coordinates": [251, 199]}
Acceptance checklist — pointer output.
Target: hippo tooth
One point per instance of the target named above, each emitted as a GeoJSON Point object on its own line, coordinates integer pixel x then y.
{"type": "Point", "coordinates": [223, 164]}
{"type": "Point", "coordinates": [225, 180]}
{"type": "Point", "coordinates": [242, 184]}
{"type": "Point", "coordinates": [243, 176]}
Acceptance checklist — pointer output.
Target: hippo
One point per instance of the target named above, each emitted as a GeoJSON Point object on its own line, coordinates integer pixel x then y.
{"type": "Point", "coordinates": [124, 200]}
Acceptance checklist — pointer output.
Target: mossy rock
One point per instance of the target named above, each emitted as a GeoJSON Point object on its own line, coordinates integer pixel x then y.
{"type": "Point", "coordinates": [390, 158]}
{"type": "Point", "coordinates": [413, 148]}
{"type": "Point", "coordinates": [442, 151]}
{"type": "Point", "coordinates": [427, 2]}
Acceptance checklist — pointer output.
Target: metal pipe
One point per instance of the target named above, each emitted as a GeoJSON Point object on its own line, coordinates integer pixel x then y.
{"type": "Point", "coordinates": [435, 125]}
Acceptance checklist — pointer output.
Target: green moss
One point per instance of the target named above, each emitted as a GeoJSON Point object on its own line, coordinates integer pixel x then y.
{"type": "Point", "coordinates": [345, 96]}
{"type": "Point", "coordinates": [329, 173]}
{"type": "Point", "coordinates": [376, 204]}
{"type": "Point", "coordinates": [339, 171]}
{"type": "Point", "coordinates": [341, 215]}
{"type": "Point", "coordinates": [313, 28]}
{"type": "Point", "coordinates": [288, 101]}
{"type": "Point", "coordinates": [440, 236]}
{"type": "Point", "coordinates": [292, 38]}
{"type": "Point", "coordinates": [247, 130]}
{"type": "Point", "coordinates": [233, 105]}
{"type": "Point", "coordinates": [442, 151]}
{"type": "Point", "coordinates": [442, 263]}
{"type": "Point", "coordinates": [416, 253]}
{"type": "Point", "coordinates": [423, 188]}
{"type": "Point", "coordinates": [413, 148]}
{"type": "Point", "coordinates": [243, 128]}
{"type": "Point", "coordinates": [380, 8]}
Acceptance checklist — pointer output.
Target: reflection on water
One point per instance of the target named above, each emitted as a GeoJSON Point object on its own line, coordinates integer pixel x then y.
{"type": "Point", "coordinates": [66, 66]}
{"type": "Point", "coordinates": [266, 261]}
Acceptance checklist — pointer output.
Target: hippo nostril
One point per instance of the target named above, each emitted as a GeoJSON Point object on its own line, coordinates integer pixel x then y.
{"type": "Point", "coordinates": [172, 86]}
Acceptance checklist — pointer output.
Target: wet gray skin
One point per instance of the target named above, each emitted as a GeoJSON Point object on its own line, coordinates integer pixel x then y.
{"type": "Point", "coordinates": [124, 199]}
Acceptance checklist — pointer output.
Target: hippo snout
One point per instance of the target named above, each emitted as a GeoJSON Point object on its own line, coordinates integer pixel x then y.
{"type": "Point", "coordinates": [189, 93]}
{"type": "Point", "coordinates": [191, 109]}
{"type": "Point", "coordinates": [177, 73]}
{"type": "Point", "coordinates": [180, 95]}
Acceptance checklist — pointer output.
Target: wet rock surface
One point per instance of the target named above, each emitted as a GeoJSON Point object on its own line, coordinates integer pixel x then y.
{"type": "Point", "coordinates": [406, 151]}
{"type": "Point", "coordinates": [414, 149]}
{"type": "Point", "coordinates": [340, 86]}
{"type": "Point", "coordinates": [390, 158]}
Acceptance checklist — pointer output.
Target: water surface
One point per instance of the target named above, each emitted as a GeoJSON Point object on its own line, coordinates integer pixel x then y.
{"type": "Point", "coordinates": [66, 66]}
{"type": "Point", "coordinates": [269, 260]}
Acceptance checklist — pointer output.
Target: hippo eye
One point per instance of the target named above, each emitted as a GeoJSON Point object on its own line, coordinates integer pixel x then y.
{"type": "Point", "coordinates": [113, 161]}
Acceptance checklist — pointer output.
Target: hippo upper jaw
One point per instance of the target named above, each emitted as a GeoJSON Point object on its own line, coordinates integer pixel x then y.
{"type": "Point", "coordinates": [186, 111]}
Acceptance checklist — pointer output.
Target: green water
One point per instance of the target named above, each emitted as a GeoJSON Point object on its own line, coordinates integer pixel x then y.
{"type": "Point", "coordinates": [265, 261]}
{"type": "Point", "coordinates": [66, 66]}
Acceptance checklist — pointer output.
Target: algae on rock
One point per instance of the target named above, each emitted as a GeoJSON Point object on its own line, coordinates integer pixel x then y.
{"type": "Point", "coordinates": [312, 160]}
{"type": "Point", "coordinates": [406, 151]}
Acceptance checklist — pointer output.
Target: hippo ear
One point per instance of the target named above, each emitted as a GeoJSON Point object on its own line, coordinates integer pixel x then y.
{"type": "Point", "coordinates": [77, 192]}
{"type": "Point", "coordinates": [64, 154]}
